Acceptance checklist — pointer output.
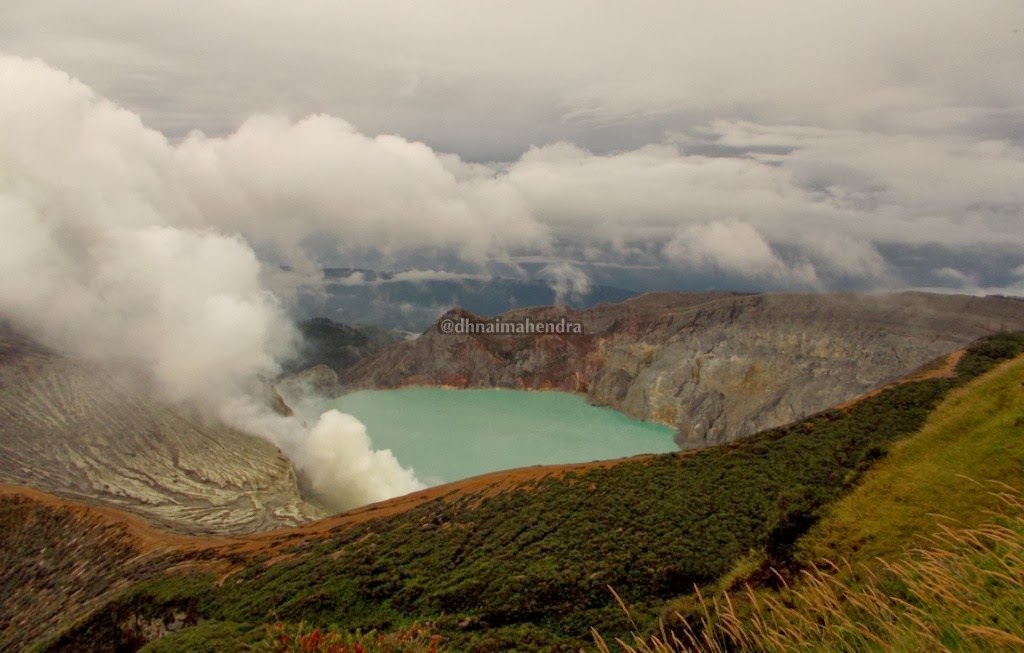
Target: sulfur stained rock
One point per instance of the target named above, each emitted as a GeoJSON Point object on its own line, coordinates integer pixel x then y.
{"type": "Point", "coordinates": [98, 433]}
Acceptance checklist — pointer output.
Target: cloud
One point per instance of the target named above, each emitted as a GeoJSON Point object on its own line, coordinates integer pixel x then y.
{"type": "Point", "coordinates": [838, 257]}
{"type": "Point", "coordinates": [568, 281]}
{"type": "Point", "coordinates": [87, 263]}
{"type": "Point", "coordinates": [356, 278]}
{"type": "Point", "coordinates": [736, 248]}
{"type": "Point", "coordinates": [104, 255]}
{"type": "Point", "coordinates": [826, 200]}
{"type": "Point", "coordinates": [956, 277]}
{"type": "Point", "coordinates": [297, 191]}
{"type": "Point", "coordinates": [433, 275]}
{"type": "Point", "coordinates": [413, 70]}
{"type": "Point", "coordinates": [362, 278]}
{"type": "Point", "coordinates": [284, 183]}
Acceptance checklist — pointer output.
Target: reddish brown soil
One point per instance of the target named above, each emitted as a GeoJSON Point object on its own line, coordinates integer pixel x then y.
{"type": "Point", "coordinates": [477, 487]}
{"type": "Point", "coordinates": [145, 537]}
{"type": "Point", "coordinates": [151, 540]}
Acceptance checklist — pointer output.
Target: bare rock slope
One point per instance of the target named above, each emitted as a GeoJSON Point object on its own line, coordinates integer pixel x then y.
{"type": "Point", "coordinates": [97, 433]}
{"type": "Point", "coordinates": [716, 366]}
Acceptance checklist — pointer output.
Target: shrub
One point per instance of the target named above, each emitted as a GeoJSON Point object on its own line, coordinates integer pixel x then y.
{"type": "Point", "coordinates": [304, 638]}
{"type": "Point", "coordinates": [961, 592]}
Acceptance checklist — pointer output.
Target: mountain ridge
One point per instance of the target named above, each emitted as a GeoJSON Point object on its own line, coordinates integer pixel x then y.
{"type": "Point", "coordinates": [715, 366]}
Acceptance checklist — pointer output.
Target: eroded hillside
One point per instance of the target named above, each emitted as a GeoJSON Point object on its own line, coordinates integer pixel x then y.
{"type": "Point", "coordinates": [98, 433]}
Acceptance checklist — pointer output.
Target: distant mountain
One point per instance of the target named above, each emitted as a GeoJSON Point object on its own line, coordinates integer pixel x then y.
{"type": "Point", "coordinates": [412, 301]}
{"type": "Point", "coordinates": [716, 366]}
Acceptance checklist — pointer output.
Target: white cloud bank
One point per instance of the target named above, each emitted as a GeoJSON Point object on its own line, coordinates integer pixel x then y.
{"type": "Point", "coordinates": [103, 253]}
{"type": "Point", "coordinates": [822, 201]}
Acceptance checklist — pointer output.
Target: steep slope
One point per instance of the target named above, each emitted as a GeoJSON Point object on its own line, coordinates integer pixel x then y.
{"type": "Point", "coordinates": [950, 473]}
{"type": "Point", "coordinates": [491, 564]}
{"type": "Point", "coordinates": [61, 560]}
{"type": "Point", "coordinates": [924, 554]}
{"type": "Point", "coordinates": [98, 433]}
{"type": "Point", "coordinates": [716, 366]}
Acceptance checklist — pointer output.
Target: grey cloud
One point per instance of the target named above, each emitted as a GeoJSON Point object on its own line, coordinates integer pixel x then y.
{"type": "Point", "coordinates": [840, 185]}
{"type": "Point", "coordinates": [965, 267]}
{"type": "Point", "coordinates": [458, 75]}
{"type": "Point", "coordinates": [104, 254]}
{"type": "Point", "coordinates": [606, 131]}
{"type": "Point", "coordinates": [567, 281]}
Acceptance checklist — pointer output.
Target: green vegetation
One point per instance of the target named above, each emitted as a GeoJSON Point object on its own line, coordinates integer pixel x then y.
{"type": "Point", "coordinates": [975, 434]}
{"type": "Point", "coordinates": [962, 592]}
{"type": "Point", "coordinates": [908, 579]}
{"type": "Point", "coordinates": [210, 637]}
{"type": "Point", "coordinates": [530, 569]}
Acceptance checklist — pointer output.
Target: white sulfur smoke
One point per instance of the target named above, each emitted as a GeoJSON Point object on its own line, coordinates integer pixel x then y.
{"type": "Point", "coordinates": [335, 457]}
{"type": "Point", "coordinates": [568, 282]}
{"type": "Point", "coordinates": [104, 253]}
{"type": "Point", "coordinates": [340, 461]}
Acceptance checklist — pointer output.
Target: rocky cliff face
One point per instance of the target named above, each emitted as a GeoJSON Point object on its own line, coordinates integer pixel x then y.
{"type": "Point", "coordinates": [97, 433]}
{"type": "Point", "coordinates": [716, 366]}
{"type": "Point", "coordinates": [337, 345]}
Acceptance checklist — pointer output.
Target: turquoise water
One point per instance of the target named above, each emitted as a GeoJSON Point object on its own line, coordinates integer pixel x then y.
{"type": "Point", "coordinates": [446, 435]}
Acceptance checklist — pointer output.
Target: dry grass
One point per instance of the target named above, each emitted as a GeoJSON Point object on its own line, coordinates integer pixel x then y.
{"type": "Point", "coordinates": [963, 590]}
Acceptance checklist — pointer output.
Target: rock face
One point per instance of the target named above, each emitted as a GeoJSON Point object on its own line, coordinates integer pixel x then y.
{"type": "Point", "coordinates": [716, 366]}
{"type": "Point", "coordinates": [339, 345]}
{"type": "Point", "coordinates": [96, 433]}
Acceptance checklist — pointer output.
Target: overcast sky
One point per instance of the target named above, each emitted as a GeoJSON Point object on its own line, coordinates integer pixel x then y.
{"type": "Point", "coordinates": [777, 145]}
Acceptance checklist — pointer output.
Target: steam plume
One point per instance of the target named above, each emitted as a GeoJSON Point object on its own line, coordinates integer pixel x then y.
{"type": "Point", "coordinates": [566, 280]}
{"type": "Point", "coordinates": [105, 252]}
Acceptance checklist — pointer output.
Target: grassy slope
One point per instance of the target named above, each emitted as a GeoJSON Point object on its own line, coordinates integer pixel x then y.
{"type": "Point", "coordinates": [976, 435]}
{"type": "Point", "coordinates": [530, 568]}
{"type": "Point", "coordinates": [930, 557]}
